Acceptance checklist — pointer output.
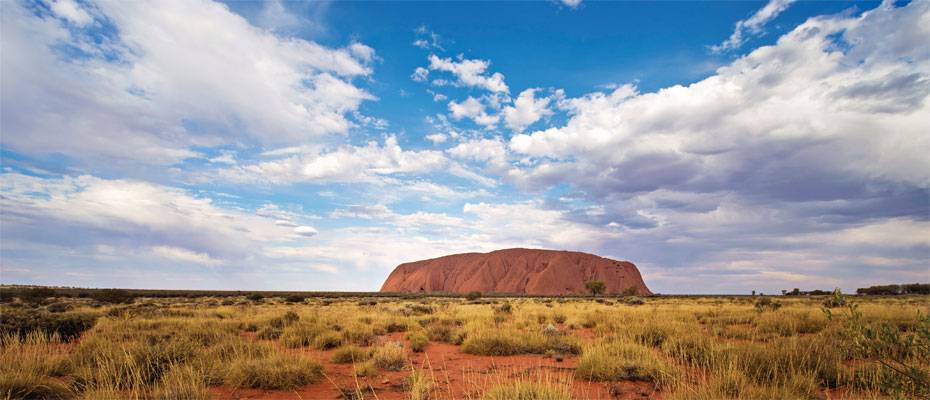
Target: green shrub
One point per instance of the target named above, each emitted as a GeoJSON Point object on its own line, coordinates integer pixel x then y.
{"type": "Point", "coordinates": [274, 372]}
{"type": "Point", "coordinates": [328, 340]}
{"type": "Point", "coordinates": [366, 369]}
{"type": "Point", "coordinates": [506, 342]}
{"type": "Point", "coordinates": [418, 341]}
{"type": "Point", "coordinates": [301, 334]}
{"type": "Point", "coordinates": [390, 356]}
{"type": "Point", "coordinates": [350, 354]}
{"type": "Point", "coordinates": [68, 325]}
{"type": "Point", "coordinates": [613, 361]}
{"type": "Point", "coordinates": [113, 296]}
{"type": "Point", "coordinates": [35, 295]}
{"type": "Point", "coordinates": [527, 391]}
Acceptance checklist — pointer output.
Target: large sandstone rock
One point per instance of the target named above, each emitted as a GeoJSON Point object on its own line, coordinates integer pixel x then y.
{"type": "Point", "coordinates": [518, 271]}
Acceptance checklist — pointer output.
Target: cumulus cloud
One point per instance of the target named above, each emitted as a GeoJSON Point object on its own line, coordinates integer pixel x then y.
{"type": "Point", "coordinates": [368, 163]}
{"type": "Point", "coordinates": [526, 110]}
{"type": "Point", "coordinates": [473, 109]}
{"type": "Point", "coordinates": [86, 211]}
{"type": "Point", "coordinates": [491, 152]}
{"type": "Point", "coordinates": [753, 25]}
{"type": "Point", "coordinates": [571, 3]}
{"type": "Point", "coordinates": [816, 135]}
{"type": "Point", "coordinates": [470, 73]}
{"type": "Point", "coordinates": [162, 82]}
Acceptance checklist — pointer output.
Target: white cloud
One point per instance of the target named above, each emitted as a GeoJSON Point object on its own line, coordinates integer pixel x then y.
{"type": "Point", "coordinates": [437, 138]}
{"type": "Point", "coordinates": [427, 39]}
{"type": "Point", "coordinates": [470, 73]}
{"type": "Point", "coordinates": [184, 255]}
{"type": "Point", "coordinates": [492, 152]}
{"type": "Point", "coordinates": [87, 211]}
{"type": "Point", "coordinates": [71, 11]}
{"type": "Point", "coordinates": [526, 110]}
{"type": "Point", "coordinates": [307, 231]}
{"type": "Point", "coordinates": [802, 103]}
{"type": "Point", "coordinates": [474, 109]}
{"type": "Point", "coordinates": [368, 163]}
{"type": "Point", "coordinates": [753, 25]}
{"type": "Point", "coordinates": [420, 74]}
{"type": "Point", "coordinates": [571, 3]}
{"type": "Point", "coordinates": [164, 84]}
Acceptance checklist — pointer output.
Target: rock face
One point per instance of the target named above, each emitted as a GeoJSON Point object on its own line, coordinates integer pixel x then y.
{"type": "Point", "coordinates": [517, 271]}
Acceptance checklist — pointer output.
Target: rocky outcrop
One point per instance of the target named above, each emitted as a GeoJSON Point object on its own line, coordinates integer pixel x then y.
{"type": "Point", "coordinates": [516, 271]}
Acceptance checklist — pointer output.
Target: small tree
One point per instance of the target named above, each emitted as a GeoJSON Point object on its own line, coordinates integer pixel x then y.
{"type": "Point", "coordinates": [475, 295]}
{"type": "Point", "coordinates": [595, 287]}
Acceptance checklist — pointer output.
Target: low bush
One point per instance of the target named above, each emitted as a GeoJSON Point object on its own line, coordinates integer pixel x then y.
{"type": "Point", "coordinates": [67, 325]}
{"type": "Point", "coordinates": [419, 384]}
{"type": "Point", "coordinates": [527, 391]}
{"type": "Point", "coordinates": [350, 354]}
{"type": "Point", "coordinates": [366, 369]}
{"type": "Point", "coordinates": [301, 334]}
{"type": "Point", "coordinates": [505, 342]}
{"type": "Point", "coordinates": [30, 367]}
{"type": "Point", "coordinates": [390, 356]}
{"type": "Point", "coordinates": [327, 340]}
{"type": "Point", "coordinates": [418, 341]}
{"type": "Point", "coordinates": [617, 360]}
{"type": "Point", "coordinates": [274, 372]}
{"type": "Point", "coordinates": [182, 382]}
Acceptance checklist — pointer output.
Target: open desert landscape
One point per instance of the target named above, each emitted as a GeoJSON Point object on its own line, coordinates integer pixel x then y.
{"type": "Point", "coordinates": [464, 200]}
{"type": "Point", "coordinates": [113, 344]}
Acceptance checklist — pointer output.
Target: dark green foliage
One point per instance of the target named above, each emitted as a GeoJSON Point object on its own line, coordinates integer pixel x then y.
{"type": "Point", "coordinates": [68, 325]}
{"type": "Point", "coordinates": [836, 300]}
{"type": "Point", "coordinates": [255, 297]}
{"type": "Point", "coordinates": [913, 288]}
{"type": "Point", "coordinates": [505, 308]}
{"type": "Point", "coordinates": [766, 303]}
{"type": "Point", "coordinates": [630, 291]}
{"type": "Point", "coordinates": [35, 295]}
{"type": "Point", "coordinates": [113, 296]}
{"type": "Point", "coordinates": [895, 351]}
{"type": "Point", "coordinates": [294, 298]}
{"type": "Point", "coordinates": [595, 287]}
{"type": "Point", "coordinates": [59, 307]}
{"type": "Point", "coordinates": [473, 295]}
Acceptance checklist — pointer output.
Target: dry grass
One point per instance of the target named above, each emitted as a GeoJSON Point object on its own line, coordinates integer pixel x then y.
{"type": "Point", "coordinates": [694, 348]}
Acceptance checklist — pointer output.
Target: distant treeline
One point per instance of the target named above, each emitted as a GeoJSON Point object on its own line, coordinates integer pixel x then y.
{"type": "Point", "coordinates": [907, 288]}
{"type": "Point", "coordinates": [879, 290]}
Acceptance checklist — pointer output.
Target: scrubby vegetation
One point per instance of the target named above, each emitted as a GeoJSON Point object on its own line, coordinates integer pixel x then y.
{"type": "Point", "coordinates": [834, 346]}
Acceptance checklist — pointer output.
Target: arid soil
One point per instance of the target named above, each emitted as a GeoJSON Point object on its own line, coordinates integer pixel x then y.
{"type": "Point", "coordinates": [457, 376]}
{"type": "Point", "coordinates": [520, 271]}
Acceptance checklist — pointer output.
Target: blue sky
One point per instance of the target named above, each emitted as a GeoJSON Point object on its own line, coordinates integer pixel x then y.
{"type": "Point", "coordinates": [723, 147]}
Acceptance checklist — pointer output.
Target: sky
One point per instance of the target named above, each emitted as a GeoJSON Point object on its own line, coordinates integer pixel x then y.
{"type": "Point", "coordinates": [722, 147]}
